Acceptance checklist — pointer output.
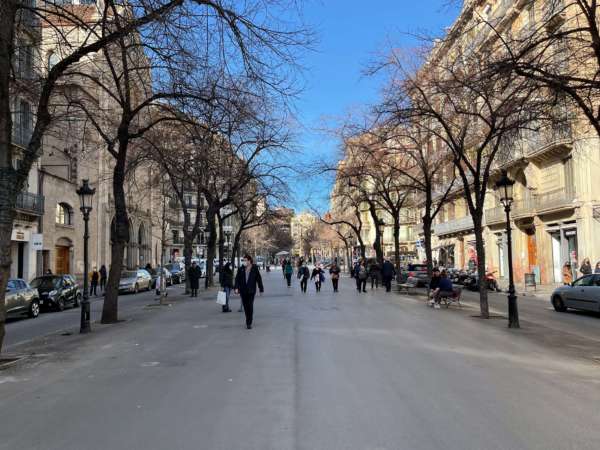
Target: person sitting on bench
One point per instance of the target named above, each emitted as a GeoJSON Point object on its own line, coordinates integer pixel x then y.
{"type": "Point", "coordinates": [444, 289]}
{"type": "Point", "coordinates": [434, 284]}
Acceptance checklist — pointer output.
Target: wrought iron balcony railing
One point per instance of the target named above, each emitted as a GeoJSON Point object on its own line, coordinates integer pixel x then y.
{"type": "Point", "coordinates": [30, 203]}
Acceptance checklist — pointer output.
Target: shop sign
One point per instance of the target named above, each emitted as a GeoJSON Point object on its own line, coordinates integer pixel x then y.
{"type": "Point", "coordinates": [37, 241]}
{"type": "Point", "coordinates": [20, 235]}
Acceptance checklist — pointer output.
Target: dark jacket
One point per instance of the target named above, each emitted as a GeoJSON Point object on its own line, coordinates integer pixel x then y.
{"type": "Point", "coordinates": [434, 283]}
{"type": "Point", "coordinates": [194, 275]}
{"type": "Point", "coordinates": [95, 276]}
{"type": "Point", "coordinates": [388, 270]}
{"type": "Point", "coordinates": [318, 274]}
{"type": "Point", "coordinates": [254, 278]}
{"type": "Point", "coordinates": [303, 272]}
{"type": "Point", "coordinates": [227, 278]}
{"type": "Point", "coordinates": [334, 272]}
{"type": "Point", "coordinates": [103, 272]}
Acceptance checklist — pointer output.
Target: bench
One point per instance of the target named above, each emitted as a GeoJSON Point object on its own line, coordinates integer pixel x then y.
{"type": "Point", "coordinates": [410, 284]}
{"type": "Point", "coordinates": [454, 298]}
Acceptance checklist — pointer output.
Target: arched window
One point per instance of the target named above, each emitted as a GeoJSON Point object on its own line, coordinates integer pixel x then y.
{"type": "Point", "coordinates": [53, 59]}
{"type": "Point", "coordinates": [64, 214]}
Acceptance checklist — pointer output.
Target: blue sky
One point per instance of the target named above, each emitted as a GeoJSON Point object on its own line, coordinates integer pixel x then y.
{"type": "Point", "coordinates": [350, 33]}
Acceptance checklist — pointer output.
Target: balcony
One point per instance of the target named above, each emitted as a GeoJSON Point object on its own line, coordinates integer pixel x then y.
{"type": "Point", "coordinates": [29, 203]}
{"type": "Point", "coordinates": [556, 138]}
{"type": "Point", "coordinates": [495, 215]}
{"type": "Point", "coordinates": [454, 226]}
{"type": "Point", "coordinates": [174, 204]}
{"type": "Point", "coordinates": [554, 200]}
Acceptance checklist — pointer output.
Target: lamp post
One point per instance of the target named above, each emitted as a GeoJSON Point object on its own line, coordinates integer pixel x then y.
{"type": "Point", "coordinates": [86, 193]}
{"type": "Point", "coordinates": [381, 224]}
{"type": "Point", "coordinates": [505, 187]}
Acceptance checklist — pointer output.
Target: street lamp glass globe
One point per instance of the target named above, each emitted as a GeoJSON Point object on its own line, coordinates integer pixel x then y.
{"type": "Point", "coordinates": [86, 193]}
{"type": "Point", "coordinates": [505, 187]}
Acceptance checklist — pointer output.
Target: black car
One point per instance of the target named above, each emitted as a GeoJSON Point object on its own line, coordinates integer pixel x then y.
{"type": "Point", "coordinates": [57, 291]}
{"type": "Point", "coordinates": [177, 273]}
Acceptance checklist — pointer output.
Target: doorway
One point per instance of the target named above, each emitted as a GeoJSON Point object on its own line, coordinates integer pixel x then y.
{"type": "Point", "coordinates": [62, 265]}
{"type": "Point", "coordinates": [556, 257]}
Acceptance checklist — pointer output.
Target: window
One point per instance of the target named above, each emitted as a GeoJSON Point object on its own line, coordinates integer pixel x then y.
{"type": "Point", "coordinates": [53, 59]}
{"type": "Point", "coordinates": [584, 281]}
{"type": "Point", "coordinates": [22, 123]}
{"type": "Point", "coordinates": [64, 214]}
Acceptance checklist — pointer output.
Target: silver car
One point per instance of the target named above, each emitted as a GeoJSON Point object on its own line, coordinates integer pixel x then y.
{"type": "Point", "coordinates": [583, 293]}
{"type": "Point", "coordinates": [20, 298]}
{"type": "Point", "coordinates": [135, 280]}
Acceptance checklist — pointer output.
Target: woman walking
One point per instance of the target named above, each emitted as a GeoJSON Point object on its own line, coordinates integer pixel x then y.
{"type": "Point", "coordinates": [246, 280]}
{"type": "Point", "coordinates": [303, 275]}
{"type": "Point", "coordinates": [567, 274]}
{"type": "Point", "coordinates": [360, 274]}
{"type": "Point", "coordinates": [94, 282]}
{"type": "Point", "coordinates": [227, 283]}
{"type": "Point", "coordinates": [288, 272]}
{"type": "Point", "coordinates": [194, 275]}
{"type": "Point", "coordinates": [334, 272]}
{"type": "Point", "coordinates": [318, 275]}
{"type": "Point", "coordinates": [375, 274]}
{"type": "Point", "coordinates": [103, 277]}
{"type": "Point", "coordinates": [586, 267]}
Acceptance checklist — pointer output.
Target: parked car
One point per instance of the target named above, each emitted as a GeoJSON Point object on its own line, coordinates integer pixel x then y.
{"type": "Point", "coordinates": [167, 274]}
{"type": "Point", "coordinates": [21, 298]}
{"type": "Point", "coordinates": [57, 291]}
{"type": "Point", "coordinates": [583, 293]}
{"type": "Point", "coordinates": [417, 271]}
{"type": "Point", "coordinates": [135, 280]}
{"type": "Point", "coordinates": [177, 273]}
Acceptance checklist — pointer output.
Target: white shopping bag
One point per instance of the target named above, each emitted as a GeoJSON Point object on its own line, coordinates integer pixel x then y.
{"type": "Point", "coordinates": [222, 298]}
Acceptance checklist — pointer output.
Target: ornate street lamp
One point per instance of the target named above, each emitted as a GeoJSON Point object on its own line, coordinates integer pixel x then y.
{"type": "Point", "coordinates": [86, 193]}
{"type": "Point", "coordinates": [381, 224]}
{"type": "Point", "coordinates": [505, 189]}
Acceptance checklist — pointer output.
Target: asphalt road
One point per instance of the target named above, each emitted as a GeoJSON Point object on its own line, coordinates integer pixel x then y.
{"type": "Point", "coordinates": [21, 330]}
{"type": "Point", "coordinates": [318, 371]}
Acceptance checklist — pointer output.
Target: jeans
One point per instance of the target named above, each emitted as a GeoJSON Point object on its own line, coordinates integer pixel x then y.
{"type": "Point", "coordinates": [288, 278]}
{"type": "Point", "coordinates": [375, 281]}
{"type": "Point", "coordinates": [361, 285]}
{"type": "Point", "coordinates": [103, 284]}
{"type": "Point", "coordinates": [248, 302]}
{"type": "Point", "coordinates": [335, 282]}
{"type": "Point", "coordinates": [93, 288]}
{"type": "Point", "coordinates": [387, 281]}
{"type": "Point", "coordinates": [318, 285]}
{"type": "Point", "coordinates": [303, 284]}
{"type": "Point", "coordinates": [227, 291]}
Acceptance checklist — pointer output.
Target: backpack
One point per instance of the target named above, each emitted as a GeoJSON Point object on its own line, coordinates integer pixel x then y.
{"type": "Point", "coordinates": [362, 273]}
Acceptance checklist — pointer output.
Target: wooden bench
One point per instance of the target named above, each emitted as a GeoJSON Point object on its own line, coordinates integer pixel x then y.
{"type": "Point", "coordinates": [410, 284]}
{"type": "Point", "coordinates": [454, 298]}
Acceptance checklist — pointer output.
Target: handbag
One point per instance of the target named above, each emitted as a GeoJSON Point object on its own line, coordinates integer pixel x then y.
{"type": "Point", "coordinates": [222, 298]}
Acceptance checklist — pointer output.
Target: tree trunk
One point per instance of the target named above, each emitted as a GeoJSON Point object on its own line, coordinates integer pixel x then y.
{"type": "Point", "coordinates": [110, 308]}
{"type": "Point", "coordinates": [221, 247]}
{"type": "Point", "coordinates": [210, 245]}
{"type": "Point", "coordinates": [397, 242]}
{"type": "Point", "coordinates": [188, 242]}
{"type": "Point", "coordinates": [427, 238]}
{"type": "Point", "coordinates": [236, 246]}
{"type": "Point", "coordinates": [480, 247]}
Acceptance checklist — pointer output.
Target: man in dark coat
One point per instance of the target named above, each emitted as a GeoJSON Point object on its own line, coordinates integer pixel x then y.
{"type": "Point", "coordinates": [246, 280]}
{"type": "Point", "coordinates": [388, 271]}
{"type": "Point", "coordinates": [195, 274]}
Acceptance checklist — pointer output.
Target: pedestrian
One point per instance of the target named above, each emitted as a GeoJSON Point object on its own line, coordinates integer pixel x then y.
{"type": "Point", "coordinates": [227, 284]}
{"type": "Point", "coordinates": [319, 276]}
{"type": "Point", "coordinates": [103, 276]}
{"type": "Point", "coordinates": [94, 282]}
{"type": "Point", "coordinates": [48, 272]}
{"type": "Point", "coordinates": [597, 269]}
{"type": "Point", "coordinates": [567, 274]}
{"type": "Point", "coordinates": [303, 275]}
{"type": "Point", "coordinates": [246, 281]}
{"type": "Point", "coordinates": [283, 264]}
{"type": "Point", "coordinates": [374, 274]}
{"type": "Point", "coordinates": [288, 272]}
{"type": "Point", "coordinates": [361, 276]}
{"type": "Point", "coordinates": [586, 267]}
{"type": "Point", "coordinates": [334, 271]}
{"type": "Point", "coordinates": [194, 276]}
{"type": "Point", "coordinates": [388, 272]}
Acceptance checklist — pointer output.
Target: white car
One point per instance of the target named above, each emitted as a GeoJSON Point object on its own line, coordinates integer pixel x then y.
{"type": "Point", "coordinates": [583, 294]}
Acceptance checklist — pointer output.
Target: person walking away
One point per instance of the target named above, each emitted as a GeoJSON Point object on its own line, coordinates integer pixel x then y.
{"type": "Point", "coordinates": [361, 277]}
{"type": "Point", "coordinates": [227, 284]}
{"type": "Point", "coordinates": [103, 277]}
{"type": "Point", "coordinates": [94, 282]}
{"type": "Point", "coordinates": [444, 289]}
{"type": "Point", "coordinates": [388, 272]}
{"type": "Point", "coordinates": [567, 273]}
{"type": "Point", "coordinates": [334, 272]}
{"type": "Point", "coordinates": [195, 274]}
{"type": "Point", "coordinates": [597, 269]}
{"type": "Point", "coordinates": [318, 276]}
{"type": "Point", "coordinates": [246, 280]}
{"type": "Point", "coordinates": [586, 267]}
{"type": "Point", "coordinates": [283, 264]}
{"type": "Point", "coordinates": [303, 275]}
{"type": "Point", "coordinates": [434, 284]}
{"type": "Point", "coordinates": [288, 272]}
{"type": "Point", "coordinates": [375, 274]}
